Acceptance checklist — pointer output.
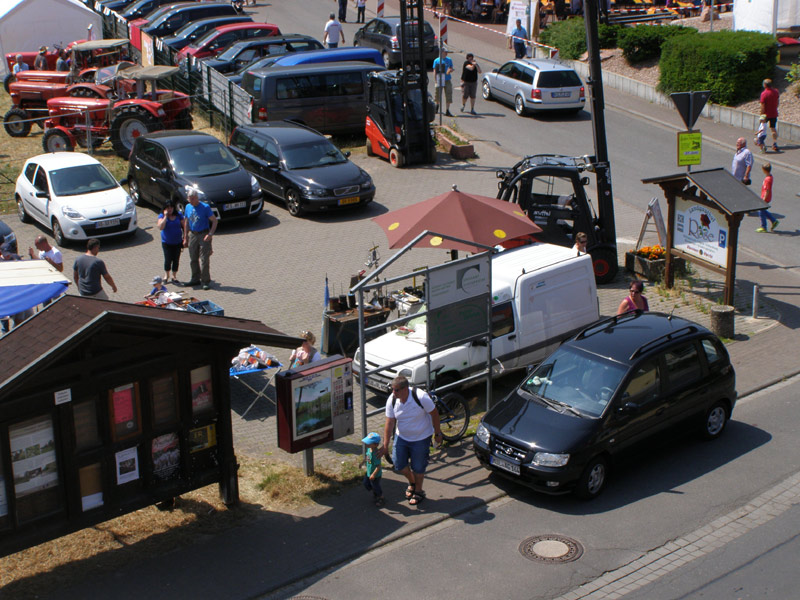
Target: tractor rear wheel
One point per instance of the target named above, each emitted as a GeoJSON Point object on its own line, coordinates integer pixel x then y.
{"type": "Point", "coordinates": [55, 140]}
{"type": "Point", "coordinates": [7, 81]}
{"type": "Point", "coordinates": [16, 122]}
{"type": "Point", "coordinates": [129, 124]}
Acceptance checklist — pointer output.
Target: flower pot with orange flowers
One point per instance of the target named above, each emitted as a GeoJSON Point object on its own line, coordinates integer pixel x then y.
{"type": "Point", "coordinates": [650, 261]}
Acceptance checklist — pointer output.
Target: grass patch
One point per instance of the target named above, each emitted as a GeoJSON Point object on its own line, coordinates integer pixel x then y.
{"type": "Point", "coordinates": [286, 485]}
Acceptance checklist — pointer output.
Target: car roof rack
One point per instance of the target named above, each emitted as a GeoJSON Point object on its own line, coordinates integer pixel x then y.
{"type": "Point", "coordinates": [598, 326]}
{"type": "Point", "coordinates": [672, 335]}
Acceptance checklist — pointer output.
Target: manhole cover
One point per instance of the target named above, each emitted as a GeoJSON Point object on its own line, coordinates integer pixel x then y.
{"type": "Point", "coordinates": [551, 548]}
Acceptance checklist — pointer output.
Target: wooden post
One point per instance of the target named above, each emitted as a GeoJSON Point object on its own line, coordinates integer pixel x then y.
{"type": "Point", "coordinates": [669, 271]}
{"type": "Point", "coordinates": [733, 241]}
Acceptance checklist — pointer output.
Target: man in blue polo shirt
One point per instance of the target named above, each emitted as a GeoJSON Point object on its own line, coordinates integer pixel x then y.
{"type": "Point", "coordinates": [198, 229]}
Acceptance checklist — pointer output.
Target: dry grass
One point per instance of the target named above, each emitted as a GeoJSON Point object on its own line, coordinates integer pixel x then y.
{"type": "Point", "coordinates": [264, 486]}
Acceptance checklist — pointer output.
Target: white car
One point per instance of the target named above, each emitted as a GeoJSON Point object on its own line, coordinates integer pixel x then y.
{"type": "Point", "coordinates": [75, 196]}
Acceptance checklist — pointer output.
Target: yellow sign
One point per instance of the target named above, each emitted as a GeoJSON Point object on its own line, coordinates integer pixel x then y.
{"type": "Point", "coordinates": [690, 148]}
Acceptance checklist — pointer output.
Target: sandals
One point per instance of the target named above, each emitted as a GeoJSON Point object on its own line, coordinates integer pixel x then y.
{"type": "Point", "coordinates": [410, 491]}
{"type": "Point", "coordinates": [417, 498]}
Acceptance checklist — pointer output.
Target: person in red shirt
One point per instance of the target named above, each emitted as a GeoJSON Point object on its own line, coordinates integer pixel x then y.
{"type": "Point", "coordinates": [766, 196]}
{"type": "Point", "coordinates": [769, 106]}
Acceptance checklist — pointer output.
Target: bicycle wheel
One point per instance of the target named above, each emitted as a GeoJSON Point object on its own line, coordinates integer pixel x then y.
{"type": "Point", "coordinates": [453, 416]}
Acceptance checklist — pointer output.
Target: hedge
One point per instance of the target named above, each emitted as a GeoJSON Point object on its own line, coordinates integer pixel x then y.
{"type": "Point", "coordinates": [644, 42]}
{"type": "Point", "coordinates": [569, 36]}
{"type": "Point", "coordinates": [731, 64]}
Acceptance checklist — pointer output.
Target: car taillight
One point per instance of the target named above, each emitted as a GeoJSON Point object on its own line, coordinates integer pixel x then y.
{"type": "Point", "coordinates": [536, 94]}
{"type": "Point", "coordinates": [262, 114]}
{"type": "Point", "coordinates": [395, 43]}
{"type": "Point", "coordinates": [582, 92]}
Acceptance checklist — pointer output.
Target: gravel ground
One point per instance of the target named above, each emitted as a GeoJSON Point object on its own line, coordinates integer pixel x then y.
{"type": "Point", "coordinates": [648, 72]}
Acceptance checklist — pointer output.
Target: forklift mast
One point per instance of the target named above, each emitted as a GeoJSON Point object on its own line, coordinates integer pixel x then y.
{"type": "Point", "coordinates": [414, 75]}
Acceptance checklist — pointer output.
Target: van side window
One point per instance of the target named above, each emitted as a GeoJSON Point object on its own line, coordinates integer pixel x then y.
{"type": "Point", "coordinates": [285, 89]}
{"type": "Point", "coordinates": [310, 86]}
{"type": "Point", "coordinates": [683, 365]}
{"type": "Point", "coordinates": [713, 353]}
{"type": "Point", "coordinates": [345, 84]}
{"type": "Point", "coordinates": [502, 319]}
{"type": "Point", "coordinates": [643, 386]}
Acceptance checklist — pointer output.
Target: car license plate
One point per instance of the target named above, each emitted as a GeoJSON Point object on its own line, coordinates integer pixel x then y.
{"type": "Point", "coordinates": [560, 94]}
{"type": "Point", "coordinates": [350, 200]}
{"type": "Point", "coordinates": [106, 223]}
{"type": "Point", "coordinates": [505, 465]}
{"type": "Point", "coordinates": [375, 383]}
{"type": "Point", "coordinates": [235, 205]}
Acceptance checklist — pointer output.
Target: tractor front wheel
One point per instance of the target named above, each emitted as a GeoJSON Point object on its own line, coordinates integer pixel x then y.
{"type": "Point", "coordinates": [16, 122]}
{"type": "Point", "coordinates": [55, 140]}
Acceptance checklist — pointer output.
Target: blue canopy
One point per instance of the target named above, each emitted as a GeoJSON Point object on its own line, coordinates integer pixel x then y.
{"type": "Point", "coordinates": [27, 283]}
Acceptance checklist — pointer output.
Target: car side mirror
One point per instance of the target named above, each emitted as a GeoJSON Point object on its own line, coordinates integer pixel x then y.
{"type": "Point", "coordinates": [272, 165]}
{"type": "Point", "coordinates": [629, 408]}
{"type": "Point", "coordinates": [164, 171]}
{"type": "Point", "coordinates": [347, 154]}
{"type": "Point", "coordinates": [494, 70]}
{"type": "Point", "coordinates": [123, 181]}
{"type": "Point", "coordinates": [42, 194]}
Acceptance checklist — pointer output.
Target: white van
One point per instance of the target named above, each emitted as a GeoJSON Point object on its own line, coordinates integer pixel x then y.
{"type": "Point", "coordinates": [541, 295]}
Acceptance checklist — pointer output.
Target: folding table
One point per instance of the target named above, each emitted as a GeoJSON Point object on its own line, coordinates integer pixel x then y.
{"type": "Point", "coordinates": [256, 367]}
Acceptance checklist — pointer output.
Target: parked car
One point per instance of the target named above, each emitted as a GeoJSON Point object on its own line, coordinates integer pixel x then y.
{"type": "Point", "coordinates": [533, 84]}
{"type": "Point", "coordinates": [244, 52]}
{"type": "Point", "coordinates": [329, 97]}
{"type": "Point", "coordinates": [141, 8]}
{"type": "Point", "coordinates": [383, 34]}
{"type": "Point", "coordinates": [301, 167]}
{"type": "Point", "coordinates": [193, 30]}
{"type": "Point", "coordinates": [8, 240]}
{"type": "Point", "coordinates": [369, 55]}
{"type": "Point", "coordinates": [162, 164]}
{"type": "Point", "coordinates": [618, 382]}
{"type": "Point", "coordinates": [181, 14]}
{"type": "Point", "coordinates": [217, 39]}
{"type": "Point", "coordinates": [74, 196]}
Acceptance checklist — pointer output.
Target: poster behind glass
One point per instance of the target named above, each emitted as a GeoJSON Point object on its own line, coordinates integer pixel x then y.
{"type": "Point", "coordinates": [311, 403]}
{"type": "Point", "coordinates": [202, 397]}
{"type": "Point", "coordinates": [33, 456]}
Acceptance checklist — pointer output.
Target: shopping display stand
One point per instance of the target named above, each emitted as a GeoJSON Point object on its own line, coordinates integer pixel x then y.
{"type": "Point", "coordinates": [257, 361]}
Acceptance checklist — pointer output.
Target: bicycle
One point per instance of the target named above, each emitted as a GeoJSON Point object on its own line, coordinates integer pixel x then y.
{"type": "Point", "coordinates": [454, 415]}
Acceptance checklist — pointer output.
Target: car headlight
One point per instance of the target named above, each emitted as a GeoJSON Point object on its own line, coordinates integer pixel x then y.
{"type": "Point", "coordinates": [548, 459]}
{"type": "Point", "coordinates": [129, 205]}
{"type": "Point", "coordinates": [313, 191]}
{"type": "Point", "coordinates": [367, 183]}
{"type": "Point", "coordinates": [482, 434]}
{"type": "Point", "coordinates": [254, 185]}
{"type": "Point", "coordinates": [71, 213]}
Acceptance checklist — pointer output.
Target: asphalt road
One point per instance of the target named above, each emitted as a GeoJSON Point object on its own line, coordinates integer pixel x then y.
{"type": "Point", "coordinates": [672, 487]}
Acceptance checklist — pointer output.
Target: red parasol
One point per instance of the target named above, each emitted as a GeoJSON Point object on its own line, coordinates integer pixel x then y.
{"type": "Point", "coordinates": [479, 219]}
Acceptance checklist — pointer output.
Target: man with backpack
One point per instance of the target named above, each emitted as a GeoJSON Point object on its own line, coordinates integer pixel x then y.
{"type": "Point", "coordinates": [412, 412]}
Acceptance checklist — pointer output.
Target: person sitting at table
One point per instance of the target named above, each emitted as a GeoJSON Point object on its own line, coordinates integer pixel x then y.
{"type": "Point", "coordinates": [306, 353]}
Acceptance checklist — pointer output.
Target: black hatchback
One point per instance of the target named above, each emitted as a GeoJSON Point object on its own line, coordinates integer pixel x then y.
{"type": "Point", "coordinates": [383, 34]}
{"type": "Point", "coordinates": [162, 164]}
{"type": "Point", "coordinates": [301, 167]}
{"type": "Point", "coordinates": [615, 384]}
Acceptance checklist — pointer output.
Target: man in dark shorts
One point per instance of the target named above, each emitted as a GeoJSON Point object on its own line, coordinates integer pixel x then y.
{"type": "Point", "coordinates": [469, 82]}
{"type": "Point", "coordinates": [769, 106]}
{"type": "Point", "coordinates": [89, 269]}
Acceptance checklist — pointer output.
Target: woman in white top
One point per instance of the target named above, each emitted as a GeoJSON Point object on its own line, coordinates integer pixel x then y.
{"type": "Point", "coordinates": [306, 353]}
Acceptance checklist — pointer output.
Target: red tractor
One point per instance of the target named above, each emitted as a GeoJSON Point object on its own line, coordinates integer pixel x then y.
{"type": "Point", "coordinates": [119, 113]}
{"type": "Point", "coordinates": [29, 57]}
{"type": "Point", "coordinates": [30, 90]}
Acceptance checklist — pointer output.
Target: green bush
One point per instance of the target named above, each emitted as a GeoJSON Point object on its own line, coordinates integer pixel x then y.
{"type": "Point", "coordinates": [644, 42]}
{"type": "Point", "coordinates": [569, 36]}
{"type": "Point", "coordinates": [609, 35]}
{"type": "Point", "coordinates": [731, 64]}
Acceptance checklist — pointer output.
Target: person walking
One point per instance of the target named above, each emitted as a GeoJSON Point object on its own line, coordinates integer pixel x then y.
{"type": "Point", "coordinates": [88, 271]}
{"type": "Point", "coordinates": [372, 459]}
{"type": "Point", "coordinates": [469, 82]}
{"type": "Point", "coordinates": [443, 68]}
{"type": "Point", "coordinates": [199, 226]}
{"type": "Point", "coordinates": [769, 107]}
{"type": "Point", "coordinates": [634, 300]}
{"type": "Point", "coordinates": [47, 252]}
{"type": "Point", "coordinates": [742, 162]}
{"type": "Point", "coordinates": [361, 7]}
{"type": "Point", "coordinates": [333, 33]}
{"type": "Point", "coordinates": [412, 415]}
{"type": "Point", "coordinates": [170, 222]}
{"type": "Point", "coordinates": [766, 196]}
{"type": "Point", "coordinates": [519, 37]}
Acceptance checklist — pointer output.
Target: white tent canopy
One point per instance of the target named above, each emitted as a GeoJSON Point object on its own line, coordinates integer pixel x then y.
{"type": "Point", "coordinates": [26, 25]}
{"type": "Point", "coordinates": [766, 16]}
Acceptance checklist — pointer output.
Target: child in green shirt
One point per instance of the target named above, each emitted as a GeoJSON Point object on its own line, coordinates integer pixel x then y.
{"type": "Point", "coordinates": [372, 478]}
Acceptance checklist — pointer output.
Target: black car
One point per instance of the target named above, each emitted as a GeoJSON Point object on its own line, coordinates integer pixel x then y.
{"type": "Point", "coordinates": [383, 33]}
{"type": "Point", "coordinates": [140, 8]}
{"type": "Point", "coordinates": [244, 52]}
{"type": "Point", "coordinates": [162, 164]}
{"type": "Point", "coordinates": [179, 15]}
{"type": "Point", "coordinates": [192, 31]}
{"type": "Point", "coordinates": [8, 240]}
{"type": "Point", "coordinates": [613, 385]}
{"type": "Point", "coordinates": [301, 167]}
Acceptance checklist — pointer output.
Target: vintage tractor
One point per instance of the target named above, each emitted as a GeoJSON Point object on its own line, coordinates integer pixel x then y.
{"type": "Point", "coordinates": [119, 113]}
{"type": "Point", "coordinates": [29, 57]}
{"type": "Point", "coordinates": [30, 90]}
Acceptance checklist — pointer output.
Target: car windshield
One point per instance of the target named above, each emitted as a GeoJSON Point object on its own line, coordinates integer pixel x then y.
{"type": "Point", "coordinates": [83, 179]}
{"type": "Point", "coordinates": [202, 160]}
{"type": "Point", "coordinates": [573, 379]}
{"type": "Point", "coordinates": [231, 52]}
{"type": "Point", "coordinates": [312, 154]}
{"type": "Point", "coordinates": [199, 42]}
{"type": "Point", "coordinates": [259, 64]}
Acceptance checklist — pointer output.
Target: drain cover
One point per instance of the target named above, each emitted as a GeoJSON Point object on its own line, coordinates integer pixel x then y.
{"type": "Point", "coordinates": [551, 548]}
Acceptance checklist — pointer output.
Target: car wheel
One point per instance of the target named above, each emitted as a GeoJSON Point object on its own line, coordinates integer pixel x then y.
{"type": "Point", "coordinates": [16, 122]}
{"type": "Point", "coordinates": [386, 60]}
{"type": "Point", "coordinates": [396, 158]}
{"type": "Point", "coordinates": [519, 106]}
{"type": "Point", "coordinates": [293, 202]}
{"type": "Point", "coordinates": [55, 140]}
{"type": "Point", "coordinates": [486, 90]}
{"type": "Point", "coordinates": [604, 262]}
{"type": "Point", "coordinates": [593, 479]}
{"type": "Point", "coordinates": [7, 81]}
{"type": "Point", "coordinates": [370, 151]}
{"type": "Point", "coordinates": [58, 234]}
{"type": "Point", "coordinates": [133, 191]}
{"type": "Point", "coordinates": [23, 214]}
{"type": "Point", "coordinates": [129, 124]}
{"type": "Point", "coordinates": [715, 420]}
